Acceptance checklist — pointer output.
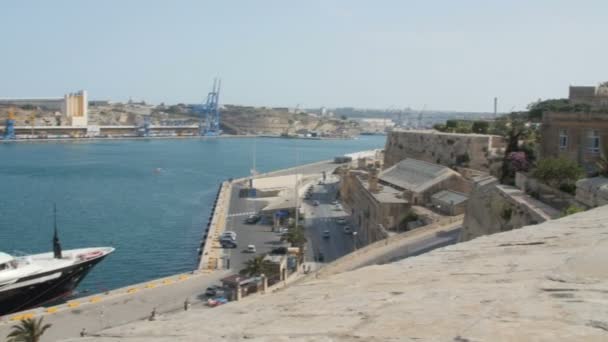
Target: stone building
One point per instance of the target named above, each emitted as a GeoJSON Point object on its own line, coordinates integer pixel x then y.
{"type": "Point", "coordinates": [596, 97]}
{"type": "Point", "coordinates": [579, 136]}
{"type": "Point", "coordinates": [381, 202]}
{"type": "Point", "coordinates": [73, 105]}
{"type": "Point", "coordinates": [375, 209]}
{"type": "Point", "coordinates": [476, 151]}
{"type": "Point", "coordinates": [419, 180]}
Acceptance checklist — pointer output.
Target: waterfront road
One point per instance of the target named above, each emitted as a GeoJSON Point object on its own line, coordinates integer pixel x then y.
{"type": "Point", "coordinates": [324, 217]}
{"type": "Point", "coordinates": [122, 306]}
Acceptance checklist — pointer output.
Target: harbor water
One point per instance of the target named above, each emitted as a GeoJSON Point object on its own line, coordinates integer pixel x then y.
{"type": "Point", "coordinates": [150, 199]}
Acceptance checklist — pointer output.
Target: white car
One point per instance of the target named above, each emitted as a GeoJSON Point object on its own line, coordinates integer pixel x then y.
{"type": "Point", "coordinates": [228, 235]}
{"type": "Point", "coordinates": [282, 231]}
{"type": "Point", "coordinates": [251, 249]}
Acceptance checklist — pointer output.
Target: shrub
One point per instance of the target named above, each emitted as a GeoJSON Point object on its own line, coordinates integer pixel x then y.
{"type": "Point", "coordinates": [573, 209]}
{"type": "Point", "coordinates": [558, 171]}
{"type": "Point", "coordinates": [568, 188]}
{"type": "Point", "coordinates": [507, 213]}
{"type": "Point", "coordinates": [480, 127]}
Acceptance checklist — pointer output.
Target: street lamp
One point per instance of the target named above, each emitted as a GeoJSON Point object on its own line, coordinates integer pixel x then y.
{"type": "Point", "coordinates": [355, 240]}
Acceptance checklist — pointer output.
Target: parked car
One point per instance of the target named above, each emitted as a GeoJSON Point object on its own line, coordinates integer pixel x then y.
{"type": "Point", "coordinates": [347, 230]}
{"type": "Point", "coordinates": [335, 202]}
{"type": "Point", "coordinates": [228, 234]}
{"type": "Point", "coordinates": [326, 234]}
{"type": "Point", "coordinates": [216, 301]}
{"type": "Point", "coordinates": [253, 219]}
{"type": "Point", "coordinates": [228, 244]}
{"type": "Point", "coordinates": [315, 203]}
{"type": "Point", "coordinates": [320, 182]}
{"type": "Point", "coordinates": [341, 221]}
{"type": "Point", "coordinates": [250, 249]}
{"type": "Point", "coordinates": [320, 257]}
{"type": "Point", "coordinates": [338, 207]}
{"type": "Point", "coordinates": [282, 231]}
{"type": "Point", "coordinates": [213, 290]}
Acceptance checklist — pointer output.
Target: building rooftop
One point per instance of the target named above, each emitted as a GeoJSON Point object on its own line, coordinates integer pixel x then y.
{"type": "Point", "coordinates": [415, 175]}
{"type": "Point", "coordinates": [450, 197]}
{"type": "Point", "coordinates": [385, 194]}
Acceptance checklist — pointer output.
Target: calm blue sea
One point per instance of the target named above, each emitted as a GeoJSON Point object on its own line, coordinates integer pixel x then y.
{"type": "Point", "coordinates": [108, 194]}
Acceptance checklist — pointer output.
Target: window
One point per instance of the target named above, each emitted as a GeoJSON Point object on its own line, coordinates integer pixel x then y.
{"type": "Point", "coordinates": [594, 141]}
{"type": "Point", "coordinates": [563, 139]}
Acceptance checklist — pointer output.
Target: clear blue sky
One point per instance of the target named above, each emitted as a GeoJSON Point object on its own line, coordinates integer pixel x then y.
{"type": "Point", "coordinates": [446, 54]}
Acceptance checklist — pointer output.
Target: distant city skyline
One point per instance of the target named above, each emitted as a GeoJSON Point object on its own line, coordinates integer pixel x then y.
{"type": "Point", "coordinates": [442, 55]}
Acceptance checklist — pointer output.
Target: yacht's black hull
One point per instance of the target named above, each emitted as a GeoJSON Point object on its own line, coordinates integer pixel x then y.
{"type": "Point", "coordinates": [41, 288]}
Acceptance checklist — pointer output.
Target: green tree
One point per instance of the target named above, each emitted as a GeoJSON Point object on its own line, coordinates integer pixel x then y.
{"type": "Point", "coordinates": [439, 127]}
{"type": "Point", "coordinates": [558, 171]}
{"type": "Point", "coordinates": [28, 330]}
{"type": "Point", "coordinates": [254, 266]}
{"type": "Point", "coordinates": [451, 125]}
{"type": "Point", "coordinates": [295, 236]}
{"type": "Point", "coordinates": [480, 127]}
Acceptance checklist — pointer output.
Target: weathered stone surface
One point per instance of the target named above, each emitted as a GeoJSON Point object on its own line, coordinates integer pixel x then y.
{"type": "Point", "coordinates": [494, 208]}
{"type": "Point", "coordinates": [547, 282]}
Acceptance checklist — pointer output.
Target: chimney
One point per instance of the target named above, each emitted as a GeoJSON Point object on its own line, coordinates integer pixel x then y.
{"type": "Point", "coordinates": [361, 162]}
{"type": "Point", "coordinates": [373, 181]}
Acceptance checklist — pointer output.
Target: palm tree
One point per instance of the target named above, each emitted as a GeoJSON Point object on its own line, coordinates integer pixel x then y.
{"type": "Point", "coordinates": [254, 266]}
{"type": "Point", "coordinates": [295, 236]}
{"type": "Point", "coordinates": [28, 330]}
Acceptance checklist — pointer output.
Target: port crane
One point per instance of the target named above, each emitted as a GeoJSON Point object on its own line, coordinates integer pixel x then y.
{"type": "Point", "coordinates": [209, 124]}
{"type": "Point", "coordinates": [9, 129]}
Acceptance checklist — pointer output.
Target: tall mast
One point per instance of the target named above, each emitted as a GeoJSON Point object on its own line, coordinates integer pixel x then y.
{"type": "Point", "coordinates": [56, 243]}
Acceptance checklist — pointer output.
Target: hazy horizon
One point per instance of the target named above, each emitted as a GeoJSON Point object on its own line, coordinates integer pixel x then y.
{"type": "Point", "coordinates": [445, 55]}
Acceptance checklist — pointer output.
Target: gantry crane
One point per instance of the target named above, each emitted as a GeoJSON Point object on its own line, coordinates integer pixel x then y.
{"type": "Point", "coordinates": [9, 130]}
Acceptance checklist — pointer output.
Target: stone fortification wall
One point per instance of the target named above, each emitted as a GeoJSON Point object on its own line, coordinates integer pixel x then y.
{"type": "Point", "coordinates": [475, 151]}
{"type": "Point", "coordinates": [494, 208]}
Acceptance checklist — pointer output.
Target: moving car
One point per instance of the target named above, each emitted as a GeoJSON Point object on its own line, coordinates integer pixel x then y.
{"type": "Point", "coordinates": [341, 221]}
{"type": "Point", "coordinates": [315, 203]}
{"type": "Point", "coordinates": [250, 249]}
{"type": "Point", "coordinates": [347, 230]}
{"type": "Point", "coordinates": [326, 234]}
{"type": "Point", "coordinates": [253, 219]}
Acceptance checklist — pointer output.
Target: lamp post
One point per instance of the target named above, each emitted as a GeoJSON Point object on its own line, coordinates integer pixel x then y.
{"type": "Point", "coordinates": [355, 240]}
